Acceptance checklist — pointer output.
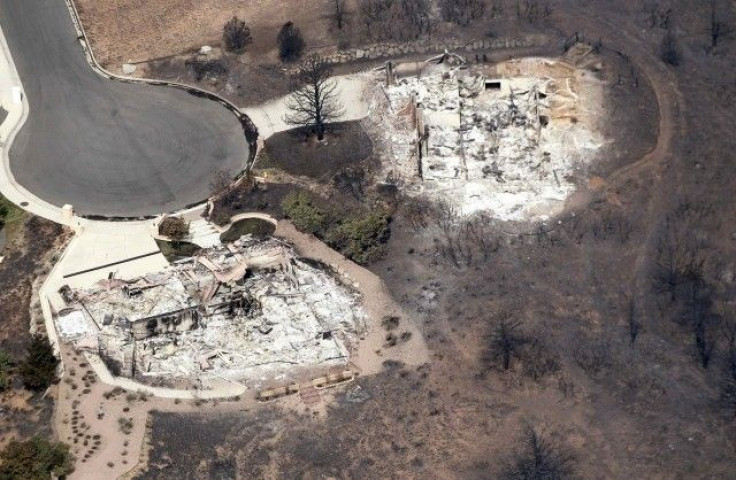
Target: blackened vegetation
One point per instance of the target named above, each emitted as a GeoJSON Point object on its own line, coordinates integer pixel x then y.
{"type": "Point", "coordinates": [290, 42]}
{"type": "Point", "coordinates": [539, 458]}
{"type": "Point", "coordinates": [462, 12]}
{"type": "Point", "coordinates": [207, 69]}
{"type": "Point", "coordinates": [236, 36]}
{"type": "Point", "coordinates": [395, 19]}
{"type": "Point", "coordinates": [669, 49]}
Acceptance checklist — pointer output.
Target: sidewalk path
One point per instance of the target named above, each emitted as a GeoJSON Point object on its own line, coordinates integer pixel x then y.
{"type": "Point", "coordinates": [269, 117]}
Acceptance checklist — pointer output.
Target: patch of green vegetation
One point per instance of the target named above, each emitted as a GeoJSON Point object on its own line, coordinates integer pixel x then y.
{"type": "Point", "coordinates": [11, 217]}
{"type": "Point", "coordinates": [359, 234]}
{"type": "Point", "coordinates": [35, 459]}
{"type": "Point", "coordinates": [5, 365]}
{"type": "Point", "coordinates": [254, 226]}
{"type": "Point", "coordinates": [38, 370]}
{"type": "Point", "coordinates": [173, 251]}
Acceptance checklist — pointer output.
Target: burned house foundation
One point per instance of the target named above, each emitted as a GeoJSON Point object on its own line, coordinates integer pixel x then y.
{"type": "Point", "coordinates": [232, 312]}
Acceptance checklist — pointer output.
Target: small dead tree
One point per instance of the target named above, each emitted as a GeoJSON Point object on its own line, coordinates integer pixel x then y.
{"type": "Point", "coordinates": [314, 100]}
{"type": "Point", "coordinates": [538, 458]}
{"type": "Point", "coordinates": [462, 12]}
{"type": "Point", "coordinates": [339, 13]}
{"type": "Point", "coordinates": [669, 50]}
{"type": "Point", "coordinates": [504, 342]}
{"type": "Point", "coordinates": [291, 43]}
{"type": "Point", "coordinates": [633, 321]}
{"type": "Point", "coordinates": [728, 385]}
{"type": "Point", "coordinates": [236, 36]}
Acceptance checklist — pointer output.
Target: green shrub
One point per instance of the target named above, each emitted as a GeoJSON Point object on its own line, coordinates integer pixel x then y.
{"type": "Point", "coordinates": [362, 237]}
{"type": "Point", "coordinates": [35, 459]}
{"type": "Point", "coordinates": [174, 228]}
{"type": "Point", "coordinates": [5, 364]}
{"type": "Point", "coordinates": [306, 216]}
{"type": "Point", "coordinates": [39, 368]}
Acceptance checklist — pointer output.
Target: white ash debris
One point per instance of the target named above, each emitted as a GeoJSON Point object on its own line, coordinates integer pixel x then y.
{"type": "Point", "coordinates": [511, 146]}
{"type": "Point", "coordinates": [230, 313]}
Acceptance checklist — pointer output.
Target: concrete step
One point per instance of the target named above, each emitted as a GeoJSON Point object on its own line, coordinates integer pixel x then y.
{"type": "Point", "coordinates": [203, 234]}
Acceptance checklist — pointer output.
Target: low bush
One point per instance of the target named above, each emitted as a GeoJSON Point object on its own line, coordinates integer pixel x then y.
{"type": "Point", "coordinates": [359, 234]}
{"type": "Point", "coordinates": [174, 228]}
{"type": "Point", "coordinates": [35, 459]}
{"type": "Point", "coordinates": [362, 237]}
{"type": "Point", "coordinates": [304, 213]}
{"type": "Point", "coordinates": [39, 368]}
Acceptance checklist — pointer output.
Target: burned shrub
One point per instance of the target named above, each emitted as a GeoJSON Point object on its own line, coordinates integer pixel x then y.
{"type": "Point", "coordinates": [504, 343]}
{"type": "Point", "coordinates": [395, 20]}
{"type": "Point", "coordinates": [236, 36]}
{"type": "Point", "coordinates": [538, 457]}
{"type": "Point", "coordinates": [539, 360]}
{"type": "Point", "coordinates": [669, 49]}
{"type": "Point", "coordinates": [174, 228]}
{"type": "Point", "coordinates": [593, 357]}
{"type": "Point", "coordinates": [462, 12]}
{"type": "Point", "coordinates": [207, 69]}
{"type": "Point", "coordinates": [291, 43]}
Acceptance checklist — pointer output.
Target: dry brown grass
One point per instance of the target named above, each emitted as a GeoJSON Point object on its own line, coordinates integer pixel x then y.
{"type": "Point", "coordinates": [140, 30]}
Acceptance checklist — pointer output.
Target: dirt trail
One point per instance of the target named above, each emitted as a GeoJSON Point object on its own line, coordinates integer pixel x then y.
{"type": "Point", "coordinates": [671, 119]}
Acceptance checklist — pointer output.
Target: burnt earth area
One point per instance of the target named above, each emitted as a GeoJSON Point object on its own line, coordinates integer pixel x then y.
{"type": "Point", "coordinates": [26, 258]}
{"type": "Point", "coordinates": [297, 153]}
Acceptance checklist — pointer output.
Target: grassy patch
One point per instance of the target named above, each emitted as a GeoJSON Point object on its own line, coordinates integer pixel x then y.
{"type": "Point", "coordinates": [173, 251]}
{"type": "Point", "coordinates": [11, 218]}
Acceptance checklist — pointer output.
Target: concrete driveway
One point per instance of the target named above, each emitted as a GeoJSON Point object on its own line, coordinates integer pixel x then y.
{"type": "Point", "coordinates": [107, 147]}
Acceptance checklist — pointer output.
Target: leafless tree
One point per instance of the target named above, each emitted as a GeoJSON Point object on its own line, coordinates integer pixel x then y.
{"type": "Point", "coordinates": [533, 10]}
{"type": "Point", "coordinates": [718, 28]}
{"type": "Point", "coordinates": [462, 12]}
{"type": "Point", "coordinates": [669, 49]}
{"type": "Point", "coordinates": [236, 35]}
{"type": "Point", "coordinates": [678, 260]}
{"type": "Point", "coordinates": [314, 101]}
{"type": "Point", "coordinates": [220, 181]}
{"type": "Point", "coordinates": [504, 342]}
{"type": "Point", "coordinates": [395, 19]}
{"type": "Point", "coordinates": [538, 458]}
{"type": "Point", "coordinates": [703, 320]}
{"type": "Point", "coordinates": [728, 385]}
{"type": "Point", "coordinates": [633, 321]}
{"type": "Point", "coordinates": [339, 12]}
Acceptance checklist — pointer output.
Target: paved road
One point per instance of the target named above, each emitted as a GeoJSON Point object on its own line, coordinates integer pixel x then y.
{"type": "Point", "coordinates": [104, 146]}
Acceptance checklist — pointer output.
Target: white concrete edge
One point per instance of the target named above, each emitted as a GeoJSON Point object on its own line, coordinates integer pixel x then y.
{"type": "Point", "coordinates": [9, 188]}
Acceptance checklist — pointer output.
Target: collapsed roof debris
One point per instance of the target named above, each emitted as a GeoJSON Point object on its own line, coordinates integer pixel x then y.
{"type": "Point", "coordinates": [251, 304]}
{"type": "Point", "coordinates": [510, 144]}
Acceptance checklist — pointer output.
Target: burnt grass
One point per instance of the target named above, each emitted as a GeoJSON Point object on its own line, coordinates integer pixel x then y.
{"type": "Point", "coordinates": [26, 258]}
{"type": "Point", "coordinates": [641, 408]}
{"type": "Point", "coordinates": [298, 153]}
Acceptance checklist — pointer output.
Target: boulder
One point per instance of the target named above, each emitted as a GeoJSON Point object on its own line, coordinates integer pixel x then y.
{"type": "Point", "coordinates": [205, 50]}
{"type": "Point", "coordinates": [128, 68]}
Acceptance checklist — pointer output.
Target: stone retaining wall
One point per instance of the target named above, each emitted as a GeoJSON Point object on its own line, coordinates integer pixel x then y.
{"type": "Point", "coordinates": [382, 50]}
